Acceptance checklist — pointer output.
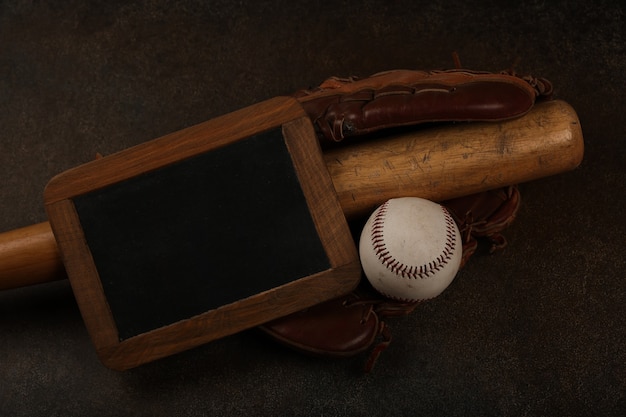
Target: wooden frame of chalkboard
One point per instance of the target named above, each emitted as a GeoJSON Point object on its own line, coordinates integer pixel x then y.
{"type": "Point", "coordinates": [202, 233]}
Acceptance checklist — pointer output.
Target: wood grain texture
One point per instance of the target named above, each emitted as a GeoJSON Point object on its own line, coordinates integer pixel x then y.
{"type": "Point", "coordinates": [29, 256]}
{"type": "Point", "coordinates": [121, 353]}
{"type": "Point", "coordinates": [86, 285]}
{"type": "Point", "coordinates": [224, 321]}
{"type": "Point", "coordinates": [437, 163]}
{"type": "Point", "coordinates": [452, 161]}
{"type": "Point", "coordinates": [171, 148]}
{"type": "Point", "coordinates": [326, 212]}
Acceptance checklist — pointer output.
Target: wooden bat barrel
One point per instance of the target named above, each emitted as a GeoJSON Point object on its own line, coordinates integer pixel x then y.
{"type": "Point", "coordinates": [436, 163]}
{"type": "Point", "coordinates": [453, 161]}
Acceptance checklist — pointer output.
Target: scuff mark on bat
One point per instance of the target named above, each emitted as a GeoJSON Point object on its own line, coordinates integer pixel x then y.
{"type": "Point", "coordinates": [415, 164]}
{"type": "Point", "coordinates": [502, 147]}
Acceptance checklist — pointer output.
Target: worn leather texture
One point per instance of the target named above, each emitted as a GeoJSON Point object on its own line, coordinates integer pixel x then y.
{"type": "Point", "coordinates": [347, 107]}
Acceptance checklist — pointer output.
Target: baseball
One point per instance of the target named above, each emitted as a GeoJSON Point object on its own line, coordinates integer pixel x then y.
{"type": "Point", "coordinates": [410, 249]}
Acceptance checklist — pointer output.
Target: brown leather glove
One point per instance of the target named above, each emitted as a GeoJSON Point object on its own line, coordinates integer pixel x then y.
{"type": "Point", "coordinates": [354, 323]}
{"type": "Point", "coordinates": [484, 216]}
{"type": "Point", "coordinates": [343, 107]}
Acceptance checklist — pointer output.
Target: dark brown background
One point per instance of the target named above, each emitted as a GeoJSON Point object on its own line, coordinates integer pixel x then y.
{"type": "Point", "coordinates": [535, 330]}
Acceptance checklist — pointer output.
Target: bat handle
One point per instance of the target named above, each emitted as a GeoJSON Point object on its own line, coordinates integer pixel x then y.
{"type": "Point", "coordinates": [29, 256]}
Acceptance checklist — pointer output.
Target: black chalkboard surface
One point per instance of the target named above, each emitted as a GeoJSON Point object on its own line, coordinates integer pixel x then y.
{"type": "Point", "coordinates": [202, 233]}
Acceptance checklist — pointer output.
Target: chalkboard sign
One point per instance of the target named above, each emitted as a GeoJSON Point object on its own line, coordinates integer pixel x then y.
{"type": "Point", "coordinates": [202, 233]}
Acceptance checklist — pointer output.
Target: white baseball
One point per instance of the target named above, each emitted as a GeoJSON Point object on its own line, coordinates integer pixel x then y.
{"type": "Point", "coordinates": [410, 249]}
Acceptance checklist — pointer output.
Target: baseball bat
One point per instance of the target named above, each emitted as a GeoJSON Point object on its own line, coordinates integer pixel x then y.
{"type": "Point", "coordinates": [436, 163]}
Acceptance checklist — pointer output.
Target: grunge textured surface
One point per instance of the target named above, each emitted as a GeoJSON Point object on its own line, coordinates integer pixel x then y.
{"type": "Point", "coordinates": [535, 330]}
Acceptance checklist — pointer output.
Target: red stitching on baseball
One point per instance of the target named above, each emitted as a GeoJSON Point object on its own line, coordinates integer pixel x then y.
{"type": "Point", "coordinates": [411, 271]}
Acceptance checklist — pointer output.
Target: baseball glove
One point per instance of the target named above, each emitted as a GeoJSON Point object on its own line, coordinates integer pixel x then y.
{"type": "Point", "coordinates": [341, 108]}
{"type": "Point", "coordinates": [344, 107]}
{"type": "Point", "coordinates": [352, 324]}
